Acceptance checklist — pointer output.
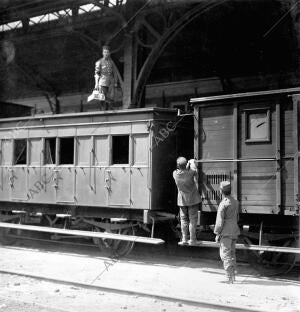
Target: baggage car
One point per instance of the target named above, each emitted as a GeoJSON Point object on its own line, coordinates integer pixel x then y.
{"type": "Point", "coordinates": [252, 139]}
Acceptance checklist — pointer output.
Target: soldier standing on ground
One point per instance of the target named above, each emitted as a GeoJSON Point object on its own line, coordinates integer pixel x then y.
{"type": "Point", "coordinates": [188, 199]}
{"type": "Point", "coordinates": [227, 230]}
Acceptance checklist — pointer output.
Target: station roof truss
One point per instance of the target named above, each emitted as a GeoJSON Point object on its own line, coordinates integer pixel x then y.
{"type": "Point", "coordinates": [20, 15]}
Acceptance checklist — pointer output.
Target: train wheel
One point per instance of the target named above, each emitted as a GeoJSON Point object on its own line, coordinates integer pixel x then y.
{"type": "Point", "coordinates": [98, 241]}
{"type": "Point", "coordinates": [117, 248]}
{"type": "Point", "coordinates": [122, 248]}
{"type": "Point", "coordinates": [273, 263]}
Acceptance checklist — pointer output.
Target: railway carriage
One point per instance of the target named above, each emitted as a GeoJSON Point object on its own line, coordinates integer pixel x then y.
{"type": "Point", "coordinates": [108, 169]}
{"type": "Point", "coordinates": [111, 172]}
{"type": "Point", "coordinates": [252, 139]}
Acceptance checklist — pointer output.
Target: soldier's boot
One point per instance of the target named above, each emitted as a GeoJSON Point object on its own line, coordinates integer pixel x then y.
{"type": "Point", "coordinates": [230, 275]}
{"type": "Point", "coordinates": [233, 274]}
{"type": "Point", "coordinates": [193, 237]}
{"type": "Point", "coordinates": [185, 232]}
{"type": "Point", "coordinates": [184, 239]}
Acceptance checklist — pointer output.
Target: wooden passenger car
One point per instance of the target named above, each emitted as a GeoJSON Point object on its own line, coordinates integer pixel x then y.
{"type": "Point", "coordinates": [252, 139]}
{"type": "Point", "coordinates": [93, 165]}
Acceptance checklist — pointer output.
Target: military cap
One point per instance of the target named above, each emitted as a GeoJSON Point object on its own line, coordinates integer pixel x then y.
{"type": "Point", "coordinates": [225, 186]}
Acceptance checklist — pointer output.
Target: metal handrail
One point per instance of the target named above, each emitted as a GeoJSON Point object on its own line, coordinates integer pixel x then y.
{"type": "Point", "coordinates": [235, 160]}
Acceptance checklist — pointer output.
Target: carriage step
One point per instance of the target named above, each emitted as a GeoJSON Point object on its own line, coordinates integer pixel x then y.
{"type": "Point", "coordinates": [245, 246]}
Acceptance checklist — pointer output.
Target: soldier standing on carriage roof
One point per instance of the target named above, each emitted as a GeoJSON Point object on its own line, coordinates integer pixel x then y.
{"type": "Point", "coordinates": [104, 72]}
{"type": "Point", "coordinates": [227, 229]}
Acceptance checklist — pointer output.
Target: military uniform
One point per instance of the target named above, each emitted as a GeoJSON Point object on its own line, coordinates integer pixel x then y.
{"type": "Point", "coordinates": [188, 201]}
{"type": "Point", "coordinates": [227, 229]}
{"type": "Point", "coordinates": [104, 74]}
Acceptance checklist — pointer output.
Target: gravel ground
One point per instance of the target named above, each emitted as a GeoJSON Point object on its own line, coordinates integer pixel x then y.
{"type": "Point", "coordinates": [166, 275]}
{"type": "Point", "coordinates": [20, 294]}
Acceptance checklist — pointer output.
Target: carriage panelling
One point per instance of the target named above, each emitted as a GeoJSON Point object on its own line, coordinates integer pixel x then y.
{"type": "Point", "coordinates": [263, 186]}
{"type": "Point", "coordinates": [101, 150]}
{"type": "Point", "coordinates": [257, 149]}
{"type": "Point", "coordinates": [257, 186]}
{"type": "Point", "coordinates": [140, 194]}
{"type": "Point", "coordinates": [93, 130]}
{"type": "Point", "coordinates": [42, 132]}
{"type": "Point", "coordinates": [86, 190]}
{"type": "Point", "coordinates": [19, 180]}
{"type": "Point", "coordinates": [215, 131]}
{"type": "Point", "coordinates": [5, 163]}
{"type": "Point", "coordinates": [287, 139]}
{"type": "Point", "coordinates": [287, 170]}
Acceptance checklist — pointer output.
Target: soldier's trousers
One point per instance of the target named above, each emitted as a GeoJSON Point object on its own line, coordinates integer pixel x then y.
{"type": "Point", "coordinates": [189, 218]}
{"type": "Point", "coordinates": [227, 254]}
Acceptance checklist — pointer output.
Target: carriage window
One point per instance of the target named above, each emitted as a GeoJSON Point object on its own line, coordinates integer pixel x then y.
{"type": "Point", "coordinates": [66, 151]}
{"type": "Point", "coordinates": [20, 152]}
{"type": "Point", "coordinates": [120, 149]}
{"type": "Point", "coordinates": [50, 151]}
{"type": "Point", "coordinates": [258, 125]}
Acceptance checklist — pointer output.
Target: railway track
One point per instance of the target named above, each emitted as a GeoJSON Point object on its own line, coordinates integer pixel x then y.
{"type": "Point", "coordinates": [195, 303]}
{"type": "Point", "coordinates": [91, 280]}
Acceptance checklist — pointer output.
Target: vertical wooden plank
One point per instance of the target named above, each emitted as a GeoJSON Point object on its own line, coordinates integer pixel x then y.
{"type": "Point", "coordinates": [278, 159]}
{"type": "Point", "coordinates": [296, 147]}
{"type": "Point", "coordinates": [1, 165]}
{"type": "Point", "coordinates": [235, 150]}
{"type": "Point", "coordinates": [196, 132]}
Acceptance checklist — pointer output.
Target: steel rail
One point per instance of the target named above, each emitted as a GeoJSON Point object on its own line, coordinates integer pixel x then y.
{"type": "Point", "coordinates": [103, 235]}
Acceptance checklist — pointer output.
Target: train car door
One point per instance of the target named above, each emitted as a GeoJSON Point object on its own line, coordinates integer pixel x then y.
{"type": "Point", "coordinates": [140, 194]}
{"type": "Point", "coordinates": [65, 171]}
{"type": "Point", "coordinates": [5, 175]}
{"type": "Point", "coordinates": [91, 157]}
{"type": "Point", "coordinates": [18, 173]}
{"type": "Point", "coordinates": [117, 175]}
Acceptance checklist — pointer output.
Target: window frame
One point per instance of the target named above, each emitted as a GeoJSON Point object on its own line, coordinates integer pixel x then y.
{"type": "Point", "coordinates": [58, 151]}
{"type": "Point", "coordinates": [13, 151]}
{"type": "Point", "coordinates": [250, 111]}
{"type": "Point", "coordinates": [44, 151]}
{"type": "Point", "coordinates": [129, 149]}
